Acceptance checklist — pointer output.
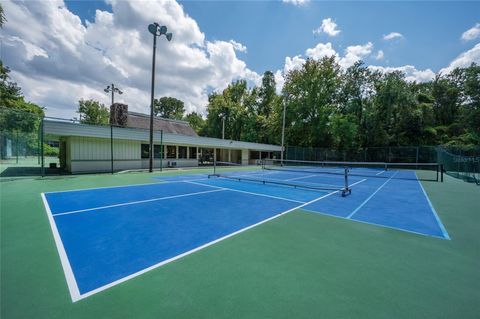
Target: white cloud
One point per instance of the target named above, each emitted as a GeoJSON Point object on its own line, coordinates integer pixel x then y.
{"type": "Point", "coordinates": [321, 50]}
{"type": "Point", "coordinates": [238, 46]}
{"type": "Point", "coordinates": [58, 60]}
{"type": "Point", "coordinates": [294, 63]}
{"type": "Point", "coordinates": [392, 36]}
{"type": "Point", "coordinates": [355, 53]}
{"type": "Point", "coordinates": [329, 27]}
{"type": "Point", "coordinates": [464, 59]}
{"type": "Point", "coordinates": [380, 55]}
{"type": "Point", "coordinates": [472, 33]}
{"type": "Point", "coordinates": [411, 73]}
{"type": "Point", "coordinates": [296, 2]}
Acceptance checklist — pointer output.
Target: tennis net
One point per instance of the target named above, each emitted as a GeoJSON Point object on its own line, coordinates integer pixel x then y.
{"type": "Point", "coordinates": [244, 173]}
{"type": "Point", "coordinates": [407, 171]}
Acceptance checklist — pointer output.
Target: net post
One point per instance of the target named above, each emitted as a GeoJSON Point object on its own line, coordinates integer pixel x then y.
{"type": "Point", "coordinates": [214, 167]}
{"type": "Point", "coordinates": [441, 173]}
{"type": "Point", "coordinates": [346, 190]}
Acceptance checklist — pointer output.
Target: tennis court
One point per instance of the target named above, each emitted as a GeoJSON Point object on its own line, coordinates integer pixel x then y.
{"type": "Point", "coordinates": [106, 236]}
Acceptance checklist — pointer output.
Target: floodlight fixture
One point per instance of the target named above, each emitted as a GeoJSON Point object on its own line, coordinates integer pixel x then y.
{"type": "Point", "coordinates": [163, 30]}
{"type": "Point", "coordinates": [156, 30]}
{"type": "Point", "coordinates": [152, 28]}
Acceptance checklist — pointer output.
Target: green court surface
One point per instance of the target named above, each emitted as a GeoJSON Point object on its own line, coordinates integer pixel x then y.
{"type": "Point", "coordinates": [300, 265]}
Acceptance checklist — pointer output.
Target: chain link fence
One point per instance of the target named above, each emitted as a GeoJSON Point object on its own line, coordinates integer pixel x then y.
{"type": "Point", "coordinates": [399, 154]}
{"type": "Point", "coordinates": [463, 167]}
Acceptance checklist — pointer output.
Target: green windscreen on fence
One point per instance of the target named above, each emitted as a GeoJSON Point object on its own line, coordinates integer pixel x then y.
{"type": "Point", "coordinates": [460, 166]}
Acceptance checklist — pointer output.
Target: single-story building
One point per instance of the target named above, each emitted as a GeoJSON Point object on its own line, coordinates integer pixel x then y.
{"type": "Point", "coordinates": [88, 148]}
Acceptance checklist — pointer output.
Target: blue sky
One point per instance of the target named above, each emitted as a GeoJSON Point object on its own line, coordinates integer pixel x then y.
{"type": "Point", "coordinates": [272, 30]}
{"type": "Point", "coordinates": [74, 49]}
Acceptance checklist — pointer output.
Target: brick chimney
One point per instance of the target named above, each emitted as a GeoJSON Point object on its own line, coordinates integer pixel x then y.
{"type": "Point", "coordinates": [119, 114]}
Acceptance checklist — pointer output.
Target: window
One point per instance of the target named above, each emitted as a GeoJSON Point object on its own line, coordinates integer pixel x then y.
{"type": "Point", "coordinates": [193, 152]}
{"type": "Point", "coordinates": [157, 151]}
{"type": "Point", "coordinates": [171, 151]}
{"type": "Point", "coordinates": [145, 151]}
{"type": "Point", "coordinates": [254, 155]}
{"type": "Point", "coordinates": [182, 152]}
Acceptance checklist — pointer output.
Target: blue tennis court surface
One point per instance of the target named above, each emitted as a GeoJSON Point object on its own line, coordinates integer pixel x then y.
{"type": "Point", "coordinates": [108, 235]}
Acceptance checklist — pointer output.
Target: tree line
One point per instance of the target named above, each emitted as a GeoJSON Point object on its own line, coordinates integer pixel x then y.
{"type": "Point", "coordinates": [357, 107]}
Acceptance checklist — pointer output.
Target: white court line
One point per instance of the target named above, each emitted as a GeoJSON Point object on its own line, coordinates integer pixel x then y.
{"type": "Point", "coordinates": [370, 197]}
{"type": "Point", "coordinates": [118, 186]}
{"type": "Point", "coordinates": [138, 202]}
{"type": "Point", "coordinates": [72, 284]}
{"type": "Point", "coordinates": [250, 193]}
{"type": "Point", "coordinates": [301, 177]}
{"type": "Point", "coordinates": [380, 172]}
{"type": "Point", "coordinates": [67, 269]}
{"type": "Point", "coordinates": [197, 249]}
{"type": "Point", "coordinates": [437, 218]}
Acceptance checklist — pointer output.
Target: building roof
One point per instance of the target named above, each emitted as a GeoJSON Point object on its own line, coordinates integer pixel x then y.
{"type": "Point", "coordinates": [139, 120]}
{"type": "Point", "coordinates": [63, 128]}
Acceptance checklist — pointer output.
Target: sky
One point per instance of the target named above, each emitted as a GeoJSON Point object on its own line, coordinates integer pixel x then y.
{"type": "Point", "coordinates": [73, 49]}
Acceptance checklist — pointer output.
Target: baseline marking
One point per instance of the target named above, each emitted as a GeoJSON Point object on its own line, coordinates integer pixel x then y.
{"type": "Point", "coordinates": [370, 197]}
{"type": "Point", "coordinates": [439, 222]}
{"type": "Point", "coordinates": [67, 268]}
{"type": "Point", "coordinates": [373, 224]}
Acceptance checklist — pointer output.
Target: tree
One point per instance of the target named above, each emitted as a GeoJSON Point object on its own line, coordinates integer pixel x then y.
{"type": "Point", "coordinates": [311, 94]}
{"type": "Point", "coordinates": [92, 112]}
{"type": "Point", "coordinates": [267, 94]}
{"type": "Point", "coordinates": [169, 107]}
{"type": "Point", "coordinates": [16, 114]}
{"type": "Point", "coordinates": [2, 17]}
{"type": "Point", "coordinates": [196, 121]}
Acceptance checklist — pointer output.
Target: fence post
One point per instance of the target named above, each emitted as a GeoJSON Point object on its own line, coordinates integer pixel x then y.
{"type": "Point", "coordinates": [16, 146]}
{"type": "Point", "coordinates": [111, 145]}
{"type": "Point", "coordinates": [42, 169]}
{"type": "Point", "coordinates": [161, 149]}
{"type": "Point", "coordinates": [416, 158]}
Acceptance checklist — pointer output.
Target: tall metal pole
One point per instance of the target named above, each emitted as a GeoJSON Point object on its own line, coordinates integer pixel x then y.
{"type": "Point", "coordinates": [223, 127]}
{"type": "Point", "coordinates": [150, 169]}
{"type": "Point", "coordinates": [283, 131]}
{"type": "Point", "coordinates": [42, 131]}
{"type": "Point", "coordinates": [111, 132]}
{"type": "Point", "coordinates": [161, 149]}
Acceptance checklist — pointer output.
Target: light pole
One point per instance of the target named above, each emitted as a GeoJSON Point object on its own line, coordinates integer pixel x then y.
{"type": "Point", "coordinates": [283, 128]}
{"type": "Point", "coordinates": [222, 116]}
{"type": "Point", "coordinates": [157, 31]}
{"type": "Point", "coordinates": [112, 89]}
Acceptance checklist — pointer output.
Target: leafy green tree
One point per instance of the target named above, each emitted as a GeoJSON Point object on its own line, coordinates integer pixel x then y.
{"type": "Point", "coordinates": [344, 131]}
{"type": "Point", "coordinates": [267, 94]}
{"type": "Point", "coordinates": [92, 112]}
{"type": "Point", "coordinates": [15, 113]}
{"type": "Point", "coordinates": [2, 17]}
{"type": "Point", "coordinates": [169, 107]}
{"type": "Point", "coordinates": [311, 94]}
{"type": "Point", "coordinates": [196, 121]}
